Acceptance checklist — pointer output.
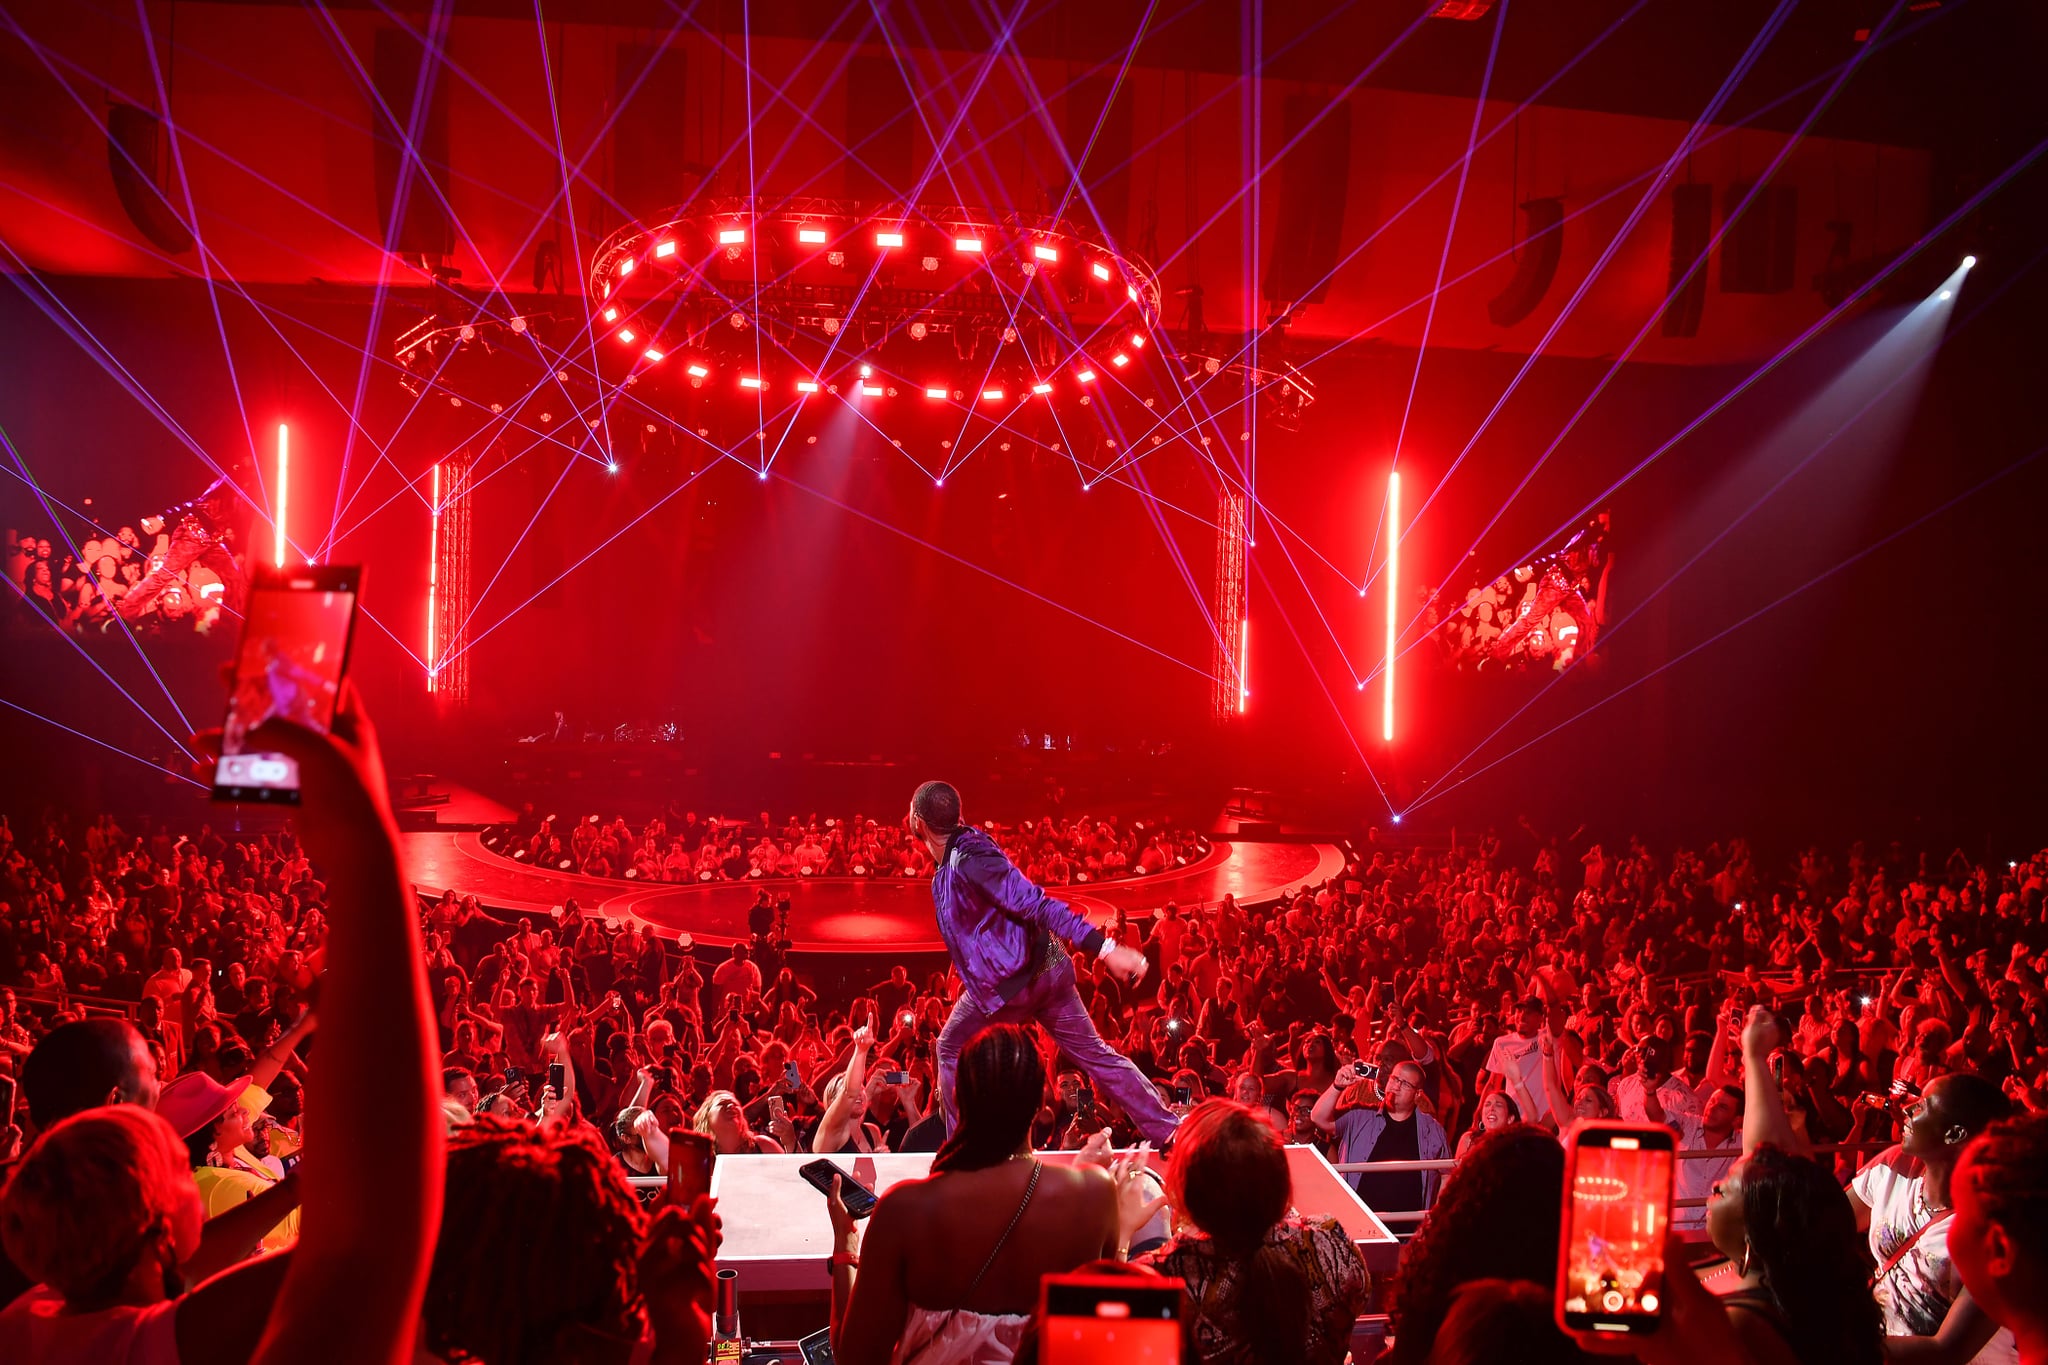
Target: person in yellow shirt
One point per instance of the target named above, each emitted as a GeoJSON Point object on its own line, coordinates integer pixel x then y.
{"type": "Point", "coordinates": [217, 1123]}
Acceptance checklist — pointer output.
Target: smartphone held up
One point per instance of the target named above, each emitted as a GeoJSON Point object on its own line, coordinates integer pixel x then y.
{"type": "Point", "coordinates": [1617, 1210]}
{"type": "Point", "coordinates": [288, 666]}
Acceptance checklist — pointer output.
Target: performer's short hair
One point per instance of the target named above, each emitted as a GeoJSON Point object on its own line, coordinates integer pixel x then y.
{"type": "Point", "coordinates": [938, 805]}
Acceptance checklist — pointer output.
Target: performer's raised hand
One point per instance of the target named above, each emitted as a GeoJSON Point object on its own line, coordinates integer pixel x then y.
{"type": "Point", "coordinates": [1125, 964]}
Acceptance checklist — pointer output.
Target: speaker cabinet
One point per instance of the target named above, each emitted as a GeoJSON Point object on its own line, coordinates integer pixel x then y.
{"type": "Point", "coordinates": [1692, 224]}
{"type": "Point", "coordinates": [398, 119]}
{"type": "Point", "coordinates": [1542, 243]}
{"type": "Point", "coordinates": [1315, 177]}
{"type": "Point", "coordinates": [135, 157]}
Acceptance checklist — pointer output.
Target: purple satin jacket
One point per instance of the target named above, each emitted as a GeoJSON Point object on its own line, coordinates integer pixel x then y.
{"type": "Point", "coordinates": [996, 922]}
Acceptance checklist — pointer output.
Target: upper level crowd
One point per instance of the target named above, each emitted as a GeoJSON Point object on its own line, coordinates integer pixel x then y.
{"type": "Point", "coordinates": [680, 846]}
{"type": "Point", "coordinates": [1456, 1004]}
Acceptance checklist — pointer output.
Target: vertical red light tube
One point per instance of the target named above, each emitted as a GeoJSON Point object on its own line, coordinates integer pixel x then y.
{"type": "Point", "coordinates": [1393, 600]}
{"type": "Point", "coordinates": [433, 570]}
{"type": "Point", "coordinates": [1244, 663]}
{"type": "Point", "coordinates": [284, 484]}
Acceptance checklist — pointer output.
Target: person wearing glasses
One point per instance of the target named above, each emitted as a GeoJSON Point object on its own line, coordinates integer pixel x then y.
{"type": "Point", "coordinates": [1397, 1130]}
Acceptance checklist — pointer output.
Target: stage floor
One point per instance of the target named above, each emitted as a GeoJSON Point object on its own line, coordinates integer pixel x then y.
{"type": "Point", "coordinates": [839, 914]}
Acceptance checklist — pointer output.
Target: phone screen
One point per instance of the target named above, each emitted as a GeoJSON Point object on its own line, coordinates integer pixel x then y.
{"type": "Point", "coordinates": [1617, 1210]}
{"type": "Point", "coordinates": [690, 1155]}
{"type": "Point", "coordinates": [294, 647]}
{"type": "Point", "coordinates": [1109, 1320]}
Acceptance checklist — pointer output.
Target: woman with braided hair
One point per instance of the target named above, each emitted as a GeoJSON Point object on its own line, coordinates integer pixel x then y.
{"type": "Point", "coordinates": [1998, 1238]}
{"type": "Point", "coordinates": [948, 1270]}
{"type": "Point", "coordinates": [545, 1257]}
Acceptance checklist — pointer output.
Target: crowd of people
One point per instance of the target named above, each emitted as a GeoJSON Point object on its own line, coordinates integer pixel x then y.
{"type": "Point", "coordinates": [1852, 1051]}
{"type": "Point", "coordinates": [681, 846]}
{"type": "Point", "coordinates": [82, 591]}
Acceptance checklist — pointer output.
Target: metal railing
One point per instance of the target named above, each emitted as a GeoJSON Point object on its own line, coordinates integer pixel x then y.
{"type": "Point", "coordinates": [1728, 1153]}
{"type": "Point", "coordinates": [91, 1004]}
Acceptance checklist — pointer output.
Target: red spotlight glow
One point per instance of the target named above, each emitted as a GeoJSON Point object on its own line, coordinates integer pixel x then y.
{"type": "Point", "coordinates": [1137, 341]}
{"type": "Point", "coordinates": [1045, 253]}
{"type": "Point", "coordinates": [806, 386]}
{"type": "Point", "coordinates": [662, 249]}
{"type": "Point", "coordinates": [696, 371]}
{"type": "Point", "coordinates": [1099, 271]}
{"type": "Point", "coordinates": [872, 390]}
{"type": "Point", "coordinates": [626, 335]}
{"type": "Point", "coordinates": [888, 239]}
{"type": "Point", "coordinates": [750, 382]}
{"type": "Point", "coordinates": [935, 393]}
{"type": "Point", "coordinates": [967, 245]}
{"type": "Point", "coordinates": [626, 267]}
{"type": "Point", "coordinates": [1119, 360]}
{"type": "Point", "coordinates": [1393, 598]}
{"type": "Point", "coordinates": [811, 236]}
{"type": "Point", "coordinates": [1086, 376]}
{"type": "Point", "coordinates": [1041, 388]}
{"type": "Point", "coordinates": [732, 236]}
{"type": "Point", "coordinates": [650, 355]}
{"type": "Point", "coordinates": [992, 395]}
{"type": "Point", "coordinates": [284, 475]}
{"type": "Point", "coordinates": [611, 315]}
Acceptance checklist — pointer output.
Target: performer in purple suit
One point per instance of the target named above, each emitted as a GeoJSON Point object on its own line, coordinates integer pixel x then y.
{"type": "Point", "coordinates": [1005, 938]}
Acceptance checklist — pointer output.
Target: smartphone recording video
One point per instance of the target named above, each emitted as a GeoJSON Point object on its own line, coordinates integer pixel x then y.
{"type": "Point", "coordinates": [690, 1158]}
{"type": "Point", "coordinates": [1109, 1320]}
{"type": "Point", "coordinates": [1617, 1210]}
{"type": "Point", "coordinates": [295, 641]}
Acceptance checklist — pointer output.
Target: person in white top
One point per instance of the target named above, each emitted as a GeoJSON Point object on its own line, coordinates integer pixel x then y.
{"type": "Point", "coordinates": [1515, 1065]}
{"type": "Point", "coordinates": [1902, 1198]}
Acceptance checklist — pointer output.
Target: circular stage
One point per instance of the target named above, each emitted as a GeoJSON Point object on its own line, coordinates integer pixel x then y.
{"type": "Point", "coordinates": [837, 914]}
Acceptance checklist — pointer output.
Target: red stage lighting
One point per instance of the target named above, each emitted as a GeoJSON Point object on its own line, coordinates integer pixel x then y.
{"type": "Point", "coordinates": [888, 239]}
{"type": "Point", "coordinates": [625, 267]}
{"type": "Point", "coordinates": [992, 395]}
{"type": "Point", "coordinates": [433, 562]}
{"type": "Point", "coordinates": [732, 236]}
{"type": "Point", "coordinates": [1393, 598]}
{"type": "Point", "coordinates": [934, 393]}
{"type": "Point", "coordinates": [1244, 664]}
{"type": "Point", "coordinates": [967, 245]}
{"type": "Point", "coordinates": [696, 371]}
{"type": "Point", "coordinates": [806, 386]}
{"type": "Point", "coordinates": [1045, 253]}
{"type": "Point", "coordinates": [1119, 360]}
{"type": "Point", "coordinates": [611, 315]}
{"type": "Point", "coordinates": [1086, 376]}
{"type": "Point", "coordinates": [1099, 271]}
{"type": "Point", "coordinates": [284, 473]}
{"type": "Point", "coordinates": [1041, 388]}
{"type": "Point", "coordinates": [662, 249]}
{"type": "Point", "coordinates": [811, 236]}
{"type": "Point", "coordinates": [749, 382]}
{"type": "Point", "coordinates": [872, 390]}
{"type": "Point", "coordinates": [626, 335]}
{"type": "Point", "coordinates": [650, 355]}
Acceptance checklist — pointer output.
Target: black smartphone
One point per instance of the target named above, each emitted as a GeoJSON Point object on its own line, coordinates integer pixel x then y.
{"type": "Point", "coordinates": [294, 649]}
{"type": "Point", "coordinates": [558, 1077]}
{"type": "Point", "coordinates": [1182, 1094]}
{"type": "Point", "coordinates": [860, 1200]}
{"type": "Point", "coordinates": [1617, 1208]}
{"type": "Point", "coordinates": [895, 1078]}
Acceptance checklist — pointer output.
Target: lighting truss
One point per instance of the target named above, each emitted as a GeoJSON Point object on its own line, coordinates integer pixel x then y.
{"type": "Point", "coordinates": [1231, 688]}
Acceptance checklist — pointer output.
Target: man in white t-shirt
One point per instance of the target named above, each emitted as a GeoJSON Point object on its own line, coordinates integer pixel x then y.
{"type": "Point", "coordinates": [1903, 1198]}
{"type": "Point", "coordinates": [1516, 1064]}
{"type": "Point", "coordinates": [1717, 1125]}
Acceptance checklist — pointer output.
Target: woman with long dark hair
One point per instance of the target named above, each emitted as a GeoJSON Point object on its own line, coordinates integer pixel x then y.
{"type": "Point", "coordinates": [949, 1266]}
{"type": "Point", "coordinates": [1265, 1285]}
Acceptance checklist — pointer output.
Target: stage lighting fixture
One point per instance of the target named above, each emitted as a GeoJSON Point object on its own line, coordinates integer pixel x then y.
{"type": "Point", "coordinates": [1969, 262]}
{"type": "Point", "coordinates": [1041, 388]}
{"type": "Point", "coordinates": [1212, 364]}
{"type": "Point", "coordinates": [611, 315]}
{"type": "Point", "coordinates": [1045, 253]}
{"type": "Point", "coordinates": [517, 324]}
{"type": "Point", "coordinates": [626, 335]}
{"type": "Point", "coordinates": [1137, 342]}
{"type": "Point", "coordinates": [1131, 292]}
{"type": "Point", "coordinates": [866, 371]}
{"type": "Point", "coordinates": [433, 568]}
{"type": "Point", "coordinates": [1946, 295]}
{"type": "Point", "coordinates": [749, 382]}
{"type": "Point", "coordinates": [650, 355]}
{"type": "Point", "coordinates": [561, 376]}
{"type": "Point", "coordinates": [967, 245]}
{"type": "Point", "coordinates": [453, 401]}
{"type": "Point", "coordinates": [1099, 271]}
{"type": "Point", "coordinates": [762, 476]}
{"type": "Point", "coordinates": [1393, 599]}
{"type": "Point", "coordinates": [1119, 360]}
{"type": "Point", "coordinates": [625, 267]}
{"type": "Point", "coordinates": [872, 390]}
{"type": "Point", "coordinates": [1086, 376]}
{"type": "Point", "coordinates": [1009, 336]}
{"type": "Point", "coordinates": [835, 258]}
{"type": "Point", "coordinates": [650, 428]}
{"type": "Point", "coordinates": [612, 466]}
{"type": "Point", "coordinates": [918, 331]}
{"type": "Point", "coordinates": [992, 395]}
{"type": "Point", "coordinates": [806, 386]}
{"type": "Point", "coordinates": [1244, 660]}
{"type": "Point", "coordinates": [935, 393]}
{"type": "Point", "coordinates": [546, 418]}
{"type": "Point", "coordinates": [732, 236]}
{"type": "Point", "coordinates": [662, 249]}
{"type": "Point", "coordinates": [886, 239]}
{"type": "Point", "coordinates": [738, 321]}
{"type": "Point", "coordinates": [811, 236]}
{"type": "Point", "coordinates": [938, 483]}
{"type": "Point", "coordinates": [930, 262]}
{"type": "Point", "coordinates": [830, 326]}
{"type": "Point", "coordinates": [468, 333]}
{"type": "Point", "coordinates": [697, 371]}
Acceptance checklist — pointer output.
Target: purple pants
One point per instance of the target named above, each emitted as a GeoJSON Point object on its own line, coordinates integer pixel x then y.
{"type": "Point", "coordinates": [1051, 1001]}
